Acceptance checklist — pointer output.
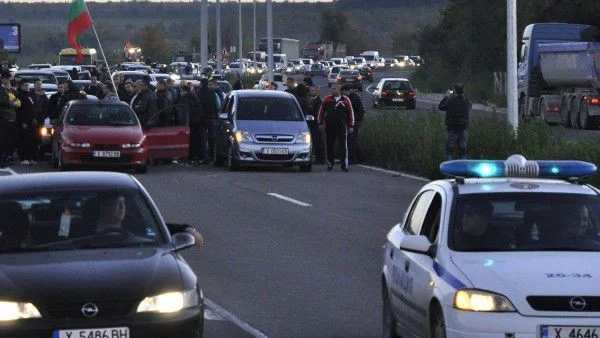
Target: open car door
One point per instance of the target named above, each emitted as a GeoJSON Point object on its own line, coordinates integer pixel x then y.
{"type": "Point", "coordinates": [167, 142]}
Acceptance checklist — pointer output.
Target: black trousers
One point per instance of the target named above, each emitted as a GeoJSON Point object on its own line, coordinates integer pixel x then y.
{"type": "Point", "coordinates": [353, 146]}
{"type": "Point", "coordinates": [198, 142]}
{"type": "Point", "coordinates": [317, 139]}
{"type": "Point", "coordinates": [28, 142]}
{"type": "Point", "coordinates": [337, 133]}
{"type": "Point", "coordinates": [7, 139]}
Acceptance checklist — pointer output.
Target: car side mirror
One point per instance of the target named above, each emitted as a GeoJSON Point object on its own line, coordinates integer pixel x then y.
{"type": "Point", "coordinates": [182, 240]}
{"type": "Point", "coordinates": [418, 244]}
{"type": "Point", "coordinates": [310, 118]}
{"type": "Point", "coordinates": [223, 116]}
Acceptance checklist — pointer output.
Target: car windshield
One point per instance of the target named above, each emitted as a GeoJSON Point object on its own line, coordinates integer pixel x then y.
{"type": "Point", "coordinates": [296, 62]}
{"type": "Point", "coordinates": [526, 222]}
{"type": "Point", "coordinates": [349, 73]}
{"type": "Point", "coordinates": [306, 62]}
{"type": "Point", "coordinates": [234, 65]}
{"type": "Point", "coordinates": [101, 115]}
{"type": "Point", "coordinates": [32, 77]}
{"type": "Point", "coordinates": [336, 69]}
{"type": "Point", "coordinates": [268, 109]}
{"type": "Point", "coordinates": [76, 219]}
{"type": "Point", "coordinates": [277, 58]}
{"type": "Point", "coordinates": [369, 57]}
{"type": "Point", "coordinates": [396, 85]}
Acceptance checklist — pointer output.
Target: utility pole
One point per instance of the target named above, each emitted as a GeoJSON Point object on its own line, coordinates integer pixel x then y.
{"type": "Point", "coordinates": [219, 57]}
{"type": "Point", "coordinates": [254, 36]}
{"type": "Point", "coordinates": [240, 53]}
{"type": "Point", "coordinates": [512, 100]}
{"type": "Point", "coordinates": [204, 34]}
{"type": "Point", "coordinates": [271, 66]}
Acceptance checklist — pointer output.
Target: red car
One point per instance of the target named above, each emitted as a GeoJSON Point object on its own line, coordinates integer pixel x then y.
{"type": "Point", "coordinates": [108, 133]}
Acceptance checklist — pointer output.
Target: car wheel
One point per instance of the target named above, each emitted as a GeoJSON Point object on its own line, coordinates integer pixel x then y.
{"type": "Point", "coordinates": [584, 115]}
{"type": "Point", "coordinates": [437, 323]}
{"type": "Point", "coordinates": [389, 322]}
{"type": "Point", "coordinates": [231, 161]}
{"type": "Point", "coordinates": [217, 159]}
{"type": "Point", "coordinates": [306, 168]}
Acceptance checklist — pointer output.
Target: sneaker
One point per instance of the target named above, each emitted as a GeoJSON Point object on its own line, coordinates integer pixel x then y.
{"type": "Point", "coordinates": [24, 162]}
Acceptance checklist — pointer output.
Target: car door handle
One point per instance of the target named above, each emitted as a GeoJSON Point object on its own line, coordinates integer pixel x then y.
{"type": "Point", "coordinates": [406, 266]}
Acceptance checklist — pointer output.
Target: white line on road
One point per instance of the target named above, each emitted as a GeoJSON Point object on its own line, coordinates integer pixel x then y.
{"type": "Point", "coordinates": [210, 314]}
{"type": "Point", "coordinates": [291, 200]}
{"type": "Point", "coordinates": [234, 319]}
{"type": "Point", "coordinates": [395, 173]}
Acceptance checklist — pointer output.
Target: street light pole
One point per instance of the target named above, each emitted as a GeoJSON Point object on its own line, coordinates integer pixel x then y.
{"type": "Point", "coordinates": [512, 100]}
{"type": "Point", "coordinates": [204, 34]}
{"type": "Point", "coordinates": [254, 35]}
{"type": "Point", "coordinates": [240, 29]}
{"type": "Point", "coordinates": [219, 57]}
{"type": "Point", "coordinates": [270, 38]}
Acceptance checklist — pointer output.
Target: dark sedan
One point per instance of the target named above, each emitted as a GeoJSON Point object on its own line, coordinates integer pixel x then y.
{"type": "Point", "coordinates": [367, 73]}
{"type": "Point", "coordinates": [89, 255]}
{"type": "Point", "coordinates": [394, 92]}
{"type": "Point", "coordinates": [350, 78]}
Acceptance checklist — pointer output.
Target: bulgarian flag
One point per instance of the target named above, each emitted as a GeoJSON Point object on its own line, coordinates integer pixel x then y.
{"type": "Point", "coordinates": [79, 21]}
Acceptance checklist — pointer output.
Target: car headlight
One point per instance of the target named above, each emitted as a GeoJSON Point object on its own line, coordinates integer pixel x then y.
{"type": "Point", "coordinates": [80, 145]}
{"type": "Point", "coordinates": [44, 131]}
{"type": "Point", "coordinates": [13, 310]}
{"type": "Point", "coordinates": [304, 138]}
{"type": "Point", "coordinates": [484, 301]}
{"type": "Point", "coordinates": [130, 145]}
{"type": "Point", "coordinates": [175, 77]}
{"type": "Point", "coordinates": [243, 136]}
{"type": "Point", "coordinates": [402, 64]}
{"type": "Point", "coordinates": [169, 302]}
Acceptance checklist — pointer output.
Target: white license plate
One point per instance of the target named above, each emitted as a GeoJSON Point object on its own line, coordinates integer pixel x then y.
{"type": "Point", "coordinates": [570, 332]}
{"type": "Point", "coordinates": [398, 100]}
{"type": "Point", "coordinates": [111, 154]}
{"type": "Point", "coordinates": [276, 151]}
{"type": "Point", "coordinates": [349, 80]}
{"type": "Point", "coordinates": [110, 332]}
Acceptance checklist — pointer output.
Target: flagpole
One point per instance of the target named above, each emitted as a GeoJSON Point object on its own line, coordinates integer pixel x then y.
{"type": "Point", "coordinates": [102, 51]}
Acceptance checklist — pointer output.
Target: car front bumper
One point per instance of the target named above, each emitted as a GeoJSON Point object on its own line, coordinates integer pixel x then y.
{"type": "Point", "coordinates": [465, 324]}
{"type": "Point", "coordinates": [253, 154]}
{"type": "Point", "coordinates": [187, 323]}
{"type": "Point", "coordinates": [84, 157]}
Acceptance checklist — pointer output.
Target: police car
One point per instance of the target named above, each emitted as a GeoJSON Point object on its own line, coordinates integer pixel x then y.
{"type": "Point", "coordinates": [504, 249]}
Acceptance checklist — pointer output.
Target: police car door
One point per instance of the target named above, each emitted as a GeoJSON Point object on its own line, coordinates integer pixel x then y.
{"type": "Point", "coordinates": [406, 279]}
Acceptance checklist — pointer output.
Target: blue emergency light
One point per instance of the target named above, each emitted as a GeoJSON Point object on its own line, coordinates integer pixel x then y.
{"type": "Point", "coordinates": [518, 166]}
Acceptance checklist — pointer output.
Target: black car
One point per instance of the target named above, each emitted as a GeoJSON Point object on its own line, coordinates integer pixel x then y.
{"type": "Point", "coordinates": [394, 92]}
{"type": "Point", "coordinates": [366, 73]}
{"type": "Point", "coordinates": [350, 78]}
{"type": "Point", "coordinates": [87, 254]}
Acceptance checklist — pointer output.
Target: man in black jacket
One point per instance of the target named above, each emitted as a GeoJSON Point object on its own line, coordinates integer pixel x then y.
{"type": "Point", "coordinates": [359, 113]}
{"type": "Point", "coordinates": [210, 102]}
{"type": "Point", "coordinates": [198, 146]}
{"type": "Point", "coordinates": [164, 103]}
{"type": "Point", "coordinates": [55, 101]}
{"type": "Point", "coordinates": [457, 108]}
{"type": "Point", "coordinates": [315, 133]}
{"type": "Point", "coordinates": [72, 92]}
{"type": "Point", "coordinates": [27, 124]}
{"type": "Point", "coordinates": [145, 106]}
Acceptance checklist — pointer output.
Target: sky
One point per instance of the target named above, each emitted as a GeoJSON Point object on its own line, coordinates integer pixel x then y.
{"type": "Point", "coordinates": [30, 1]}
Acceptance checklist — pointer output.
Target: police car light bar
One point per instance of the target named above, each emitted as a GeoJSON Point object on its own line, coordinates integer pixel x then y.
{"type": "Point", "coordinates": [518, 166]}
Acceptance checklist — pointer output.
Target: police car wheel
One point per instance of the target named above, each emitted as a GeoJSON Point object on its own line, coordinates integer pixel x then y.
{"type": "Point", "coordinates": [389, 322]}
{"type": "Point", "coordinates": [437, 324]}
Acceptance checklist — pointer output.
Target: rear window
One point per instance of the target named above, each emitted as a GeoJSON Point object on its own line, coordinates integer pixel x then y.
{"type": "Point", "coordinates": [397, 85]}
{"type": "Point", "coordinates": [268, 109]}
{"type": "Point", "coordinates": [32, 77]}
{"type": "Point", "coordinates": [349, 72]}
{"type": "Point", "coordinates": [101, 115]}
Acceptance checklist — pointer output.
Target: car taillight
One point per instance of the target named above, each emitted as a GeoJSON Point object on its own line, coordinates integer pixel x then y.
{"type": "Point", "coordinates": [411, 93]}
{"type": "Point", "coordinates": [384, 93]}
{"type": "Point", "coordinates": [340, 78]}
{"type": "Point", "coordinates": [370, 73]}
{"type": "Point", "coordinates": [594, 101]}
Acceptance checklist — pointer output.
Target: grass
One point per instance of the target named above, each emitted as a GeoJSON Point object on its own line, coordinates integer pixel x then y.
{"type": "Point", "coordinates": [415, 142]}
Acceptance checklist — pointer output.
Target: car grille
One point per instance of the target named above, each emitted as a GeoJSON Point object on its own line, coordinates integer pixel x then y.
{"type": "Point", "coordinates": [564, 303]}
{"type": "Point", "coordinates": [266, 157]}
{"type": "Point", "coordinates": [275, 138]}
{"type": "Point", "coordinates": [107, 146]}
{"type": "Point", "coordinates": [73, 310]}
{"type": "Point", "coordinates": [106, 160]}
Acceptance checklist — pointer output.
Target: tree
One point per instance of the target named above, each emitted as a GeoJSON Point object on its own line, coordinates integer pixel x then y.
{"type": "Point", "coordinates": [333, 25]}
{"type": "Point", "coordinates": [153, 43]}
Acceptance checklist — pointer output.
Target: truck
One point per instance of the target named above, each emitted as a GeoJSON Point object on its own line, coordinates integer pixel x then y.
{"type": "Point", "coordinates": [559, 74]}
{"type": "Point", "coordinates": [289, 47]}
{"type": "Point", "coordinates": [371, 57]}
{"type": "Point", "coordinates": [323, 50]}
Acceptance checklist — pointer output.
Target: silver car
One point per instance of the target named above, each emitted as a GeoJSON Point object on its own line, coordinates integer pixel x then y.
{"type": "Point", "coordinates": [262, 127]}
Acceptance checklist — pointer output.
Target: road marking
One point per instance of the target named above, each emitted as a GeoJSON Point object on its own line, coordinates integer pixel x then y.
{"type": "Point", "coordinates": [234, 319]}
{"type": "Point", "coordinates": [210, 314]}
{"type": "Point", "coordinates": [9, 170]}
{"type": "Point", "coordinates": [395, 173]}
{"type": "Point", "coordinates": [291, 200]}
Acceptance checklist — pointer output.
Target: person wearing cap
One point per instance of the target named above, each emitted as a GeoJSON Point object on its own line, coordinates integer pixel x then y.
{"type": "Point", "coordinates": [27, 124]}
{"type": "Point", "coordinates": [164, 104]}
{"type": "Point", "coordinates": [457, 108]}
{"type": "Point", "coordinates": [94, 88]}
{"type": "Point", "coordinates": [145, 107]}
{"type": "Point", "coordinates": [8, 117]}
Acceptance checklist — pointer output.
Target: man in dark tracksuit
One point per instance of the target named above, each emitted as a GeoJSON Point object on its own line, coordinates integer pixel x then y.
{"type": "Point", "coordinates": [457, 109]}
{"type": "Point", "coordinates": [359, 113]}
{"type": "Point", "coordinates": [198, 147]}
{"type": "Point", "coordinates": [210, 102]}
{"type": "Point", "coordinates": [315, 133]}
{"type": "Point", "coordinates": [337, 114]}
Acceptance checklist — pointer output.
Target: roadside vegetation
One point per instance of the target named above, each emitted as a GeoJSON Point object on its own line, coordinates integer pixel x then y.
{"type": "Point", "coordinates": [415, 143]}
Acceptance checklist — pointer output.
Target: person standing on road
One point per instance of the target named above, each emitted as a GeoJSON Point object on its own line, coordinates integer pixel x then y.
{"type": "Point", "coordinates": [27, 124]}
{"type": "Point", "coordinates": [40, 104]}
{"type": "Point", "coordinates": [198, 150]}
{"type": "Point", "coordinates": [145, 107]}
{"type": "Point", "coordinates": [238, 84]}
{"type": "Point", "coordinates": [359, 113]}
{"type": "Point", "coordinates": [291, 85]}
{"type": "Point", "coordinates": [165, 104]}
{"type": "Point", "coordinates": [128, 92]}
{"type": "Point", "coordinates": [94, 88]}
{"type": "Point", "coordinates": [315, 133]}
{"type": "Point", "coordinates": [55, 101]}
{"type": "Point", "coordinates": [72, 92]}
{"type": "Point", "coordinates": [209, 99]}
{"type": "Point", "coordinates": [337, 118]}
{"type": "Point", "coordinates": [457, 108]}
{"type": "Point", "coordinates": [8, 116]}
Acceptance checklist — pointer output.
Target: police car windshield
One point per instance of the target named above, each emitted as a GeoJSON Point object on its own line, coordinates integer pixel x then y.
{"type": "Point", "coordinates": [526, 222]}
{"type": "Point", "coordinates": [76, 219]}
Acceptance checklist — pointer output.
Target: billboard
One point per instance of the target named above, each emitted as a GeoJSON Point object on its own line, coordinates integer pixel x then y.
{"type": "Point", "coordinates": [10, 37]}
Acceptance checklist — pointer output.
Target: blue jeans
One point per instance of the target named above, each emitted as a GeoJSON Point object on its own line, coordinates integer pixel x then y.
{"type": "Point", "coordinates": [457, 138]}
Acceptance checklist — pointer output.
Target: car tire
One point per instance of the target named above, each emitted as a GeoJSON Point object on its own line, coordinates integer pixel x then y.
{"type": "Point", "coordinates": [436, 322]}
{"type": "Point", "coordinates": [306, 168]}
{"type": "Point", "coordinates": [231, 161]}
{"type": "Point", "coordinates": [389, 322]}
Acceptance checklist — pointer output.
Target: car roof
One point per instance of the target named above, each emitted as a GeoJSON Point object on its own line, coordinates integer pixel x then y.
{"type": "Point", "coordinates": [394, 79]}
{"type": "Point", "coordinates": [517, 185]}
{"type": "Point", "coordinates": [53, 181]}
{"type": "Point", "coordinates": [35, 71]}
{"type": "Point", "coordinates": [262, 93]}
{"type": "Point", "coordinates": [98, 103]}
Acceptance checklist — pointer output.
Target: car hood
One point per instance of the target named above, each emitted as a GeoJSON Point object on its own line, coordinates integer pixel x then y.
{"type": "Point", "coordinates": [63, 276]}
{"type": "Point", "coordinates": [273, 127]}
{"type": "Point", "coordinates": [521, 274]}
{"type": "Point", "coordinates": [103, 134]}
